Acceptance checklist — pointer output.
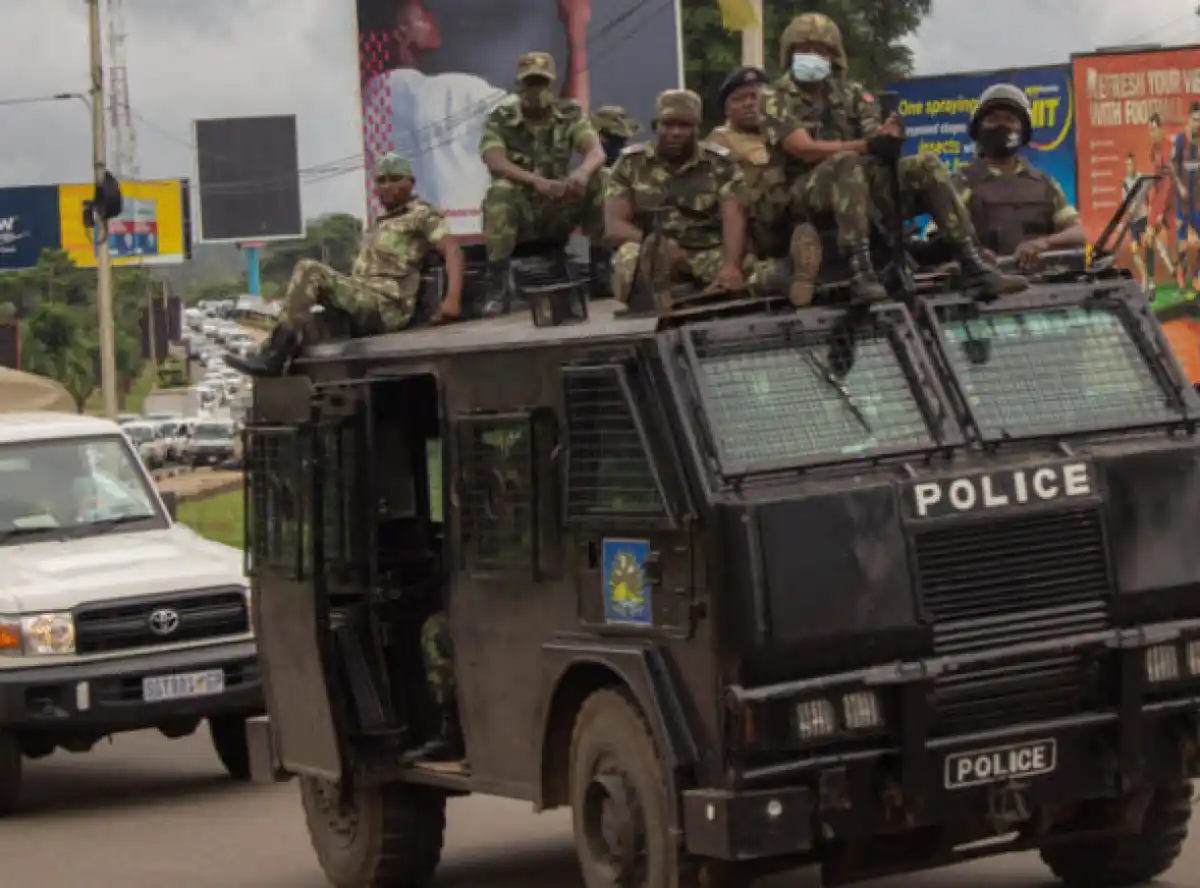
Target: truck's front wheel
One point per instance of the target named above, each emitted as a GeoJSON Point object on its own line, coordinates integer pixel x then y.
{"type": "Point", "coordinates": [1126, 861]}
{"type": "Point", "coordinates": [10, 773]}
{"type": "Point", "coordinates": [233, 749]}
{"type": "Point", "coordinates": [385, 836]}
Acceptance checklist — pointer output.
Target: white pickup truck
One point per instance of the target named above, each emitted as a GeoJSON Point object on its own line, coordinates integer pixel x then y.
{"type": "Point", "coordinates": [113, 617]}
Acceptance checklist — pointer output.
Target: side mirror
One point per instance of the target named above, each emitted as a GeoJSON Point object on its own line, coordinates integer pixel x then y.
{"type": "Point", "coordinates": [171, 502]}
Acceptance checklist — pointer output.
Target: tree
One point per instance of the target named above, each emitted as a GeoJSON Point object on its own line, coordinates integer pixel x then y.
{"type": "Point", "coordinates": [55, 344]}
{"type": "Point", "coordinates": [872, 31]}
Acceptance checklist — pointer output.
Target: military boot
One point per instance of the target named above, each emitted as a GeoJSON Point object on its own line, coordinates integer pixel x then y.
{"type": "Point", "coordinates": [600, 271]}
{"type": "Point", "coordinates": [271, 359]}
{"type": "Point", "coordinates": [446, 745]}
{"type": "Point", "coordinates": [864, 283]}
{"type": "Point", "coordinates": [983, 280]}
{"type": "Point", "coordinates": [499, 288]}
{"type": "Point", "coordinates": [805, 252]}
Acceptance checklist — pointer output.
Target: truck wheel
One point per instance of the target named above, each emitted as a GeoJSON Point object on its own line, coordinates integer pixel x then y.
{"type": "Point", "coordinates": [233, 749]}
{"type": "Point", "coordinates": [388, 835]}
{"type": "Point", "coordinates": [1125, 861]}
{"type": "Point", "coordinates": [10, 773]}
{"type": "Point", "coordinates": [618, 802]}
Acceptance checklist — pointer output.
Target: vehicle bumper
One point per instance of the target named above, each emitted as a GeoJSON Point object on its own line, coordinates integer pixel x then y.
{"type": "Point", "coordinates": [1149, 736]}
{"type": "Point", "coordinates": [210, 457]}
{"type": "Point", "coordinates": [103, 697]}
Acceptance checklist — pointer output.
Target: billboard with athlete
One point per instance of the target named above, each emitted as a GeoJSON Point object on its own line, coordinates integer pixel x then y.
{"type": "Point", "coordinates": [432, 70]}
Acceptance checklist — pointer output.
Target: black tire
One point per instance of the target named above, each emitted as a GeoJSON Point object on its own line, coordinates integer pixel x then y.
{"type": "Point", "coordinates": [612, 742]}
{"type": "Point", "coordinates": [233, 748]}
{"type": "Point", "coordinates": [1126, 861]}
{"type": "Point", "coordinates": [11, 767]}
{"type": "Point", "coordinates": [392, 837]}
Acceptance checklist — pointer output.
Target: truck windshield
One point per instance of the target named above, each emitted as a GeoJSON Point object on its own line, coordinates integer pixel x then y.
{"type": "Point", "coordinates": [1043, 372]}
{"type": "Point", "coordinates": [790, 401]}
{"type": "Point", "coordinates": [211, 431]}
{"type": "Point", "coordinates": [79, 486]}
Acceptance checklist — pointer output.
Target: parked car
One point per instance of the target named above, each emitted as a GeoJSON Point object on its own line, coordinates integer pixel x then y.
{"type": "Point", "coordinates": [144, 436]}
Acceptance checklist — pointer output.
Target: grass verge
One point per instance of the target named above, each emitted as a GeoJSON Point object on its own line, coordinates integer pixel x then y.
{"type": "Point", "coordinates": [218, 518]}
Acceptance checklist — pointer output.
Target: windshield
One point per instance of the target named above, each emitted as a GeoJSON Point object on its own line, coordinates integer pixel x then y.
{"type": "Point", "coordinates": [213, 431]}
{"type": "Point", "coordinates": [80, 486]}
{"type": "Point", "coordinates": [775, 404]}
{"type": "Point", "coordinates": [1047, 372]}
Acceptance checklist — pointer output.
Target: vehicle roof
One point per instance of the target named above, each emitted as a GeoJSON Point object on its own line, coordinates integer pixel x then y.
{"type": "Point", "coordinates": [48, 426]}
{"type": "Point", "coordinates": [492, 334]}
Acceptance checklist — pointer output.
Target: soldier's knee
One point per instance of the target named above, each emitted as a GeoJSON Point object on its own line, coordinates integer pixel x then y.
{"type": "Point", "coordinates": [501, 191]}
{"type": "Point", "coordinates": [307, 266]}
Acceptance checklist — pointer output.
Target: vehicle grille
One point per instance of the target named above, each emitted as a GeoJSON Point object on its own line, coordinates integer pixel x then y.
{"type": "Point", "coordinates": [101, 628]}
{"type": "Point", "coordinates": [1003, 583]}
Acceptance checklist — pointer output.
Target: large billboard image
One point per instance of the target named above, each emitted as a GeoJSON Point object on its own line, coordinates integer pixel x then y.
{"type": "Point", "coordinates": [431, 70]}
{"type": "Point", "coordinates": [151, 230]}
{"type": "Point", "coordinates": [29, 223]}
{"type": "Point", "coordinates": [937, 110]}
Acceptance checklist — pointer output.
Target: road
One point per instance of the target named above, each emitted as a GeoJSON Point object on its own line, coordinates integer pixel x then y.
{"type": "Point", "coordinates": [145, 812]}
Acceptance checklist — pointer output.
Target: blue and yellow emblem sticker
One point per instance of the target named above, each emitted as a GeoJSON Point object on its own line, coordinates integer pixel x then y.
{"type": "Point", "coordinates": [627, 600]}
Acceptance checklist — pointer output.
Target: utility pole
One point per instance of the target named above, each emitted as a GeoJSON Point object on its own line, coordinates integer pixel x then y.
{"type": "Point", "coordinates": [104, 276]}
{"type": "Point", "coordinates": [752, 38]}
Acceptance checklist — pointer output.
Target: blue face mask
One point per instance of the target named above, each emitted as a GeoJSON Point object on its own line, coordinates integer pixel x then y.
{"type": "Point", "coordinates": [808, 67]}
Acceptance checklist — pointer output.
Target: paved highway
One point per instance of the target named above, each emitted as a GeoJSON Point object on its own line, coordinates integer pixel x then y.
{"type": "Point", "coordinates": [145, 812]}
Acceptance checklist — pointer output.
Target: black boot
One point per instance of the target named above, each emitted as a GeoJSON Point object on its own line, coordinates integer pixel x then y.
{"type": "Point", "coordinates": [985, 281]}
{"type": "Point", "coordinates": [600, 271]}
{"type": "Point", "coordinates": [271, 359]}
{"type": "Point", "coordinates": [864, 285]}
{"type": "Point", "coordinates": [444, 746]}
{"type": "Point", "coordinates": [499, 288]}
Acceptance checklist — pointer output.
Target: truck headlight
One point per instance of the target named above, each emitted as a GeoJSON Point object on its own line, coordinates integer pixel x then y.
{"type": "Point", "coordinates": [861, 711]}
{"type": "Point", "coordinates": [815, 718]}
{"type": "Point", "coordinates": [1162, 663]}
{"type": "Point", "coordinates": [1193, 657]}
{"type": "Point", "coordinates": [37, 635]}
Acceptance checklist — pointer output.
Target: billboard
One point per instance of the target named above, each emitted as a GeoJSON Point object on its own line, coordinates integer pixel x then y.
{"type": "Point", "coordinates": [937, 110]}
{"type": "Point", "coordinates": [153, 228]}
{"type": "Point", "coordinates": [249, 179]}
{"type": "Point", "coordinates": [29, 223]}
{"type": "Point", "coordinates": [431, 73]}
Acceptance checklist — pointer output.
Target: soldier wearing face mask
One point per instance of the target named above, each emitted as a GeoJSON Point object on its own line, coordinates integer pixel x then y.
{"type": "Point", "coordinates": [527, 146]}
{"type": "Point", "coordinates": [1017, 210]}
{"type": "Point", "coordinates": [837, 153]}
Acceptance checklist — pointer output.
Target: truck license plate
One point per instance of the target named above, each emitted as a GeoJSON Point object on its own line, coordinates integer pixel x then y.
{"type": "Point", "coordinates": [160, 688]}
{"type": "Point", "coordinates": [1001, 763]}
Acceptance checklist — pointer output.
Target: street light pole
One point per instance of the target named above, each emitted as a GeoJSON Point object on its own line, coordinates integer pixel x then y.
{"type": "Point", "coordinates": [104, 283]}
{"type": "Point", "coordinates": [752, 39]}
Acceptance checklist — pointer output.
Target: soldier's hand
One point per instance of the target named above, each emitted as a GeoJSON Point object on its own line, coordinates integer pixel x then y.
{"type": "Point", "coordinates": [1027, 253]}
{"type": "Point", "coordinates": [577, 183]}
{"type": "Point", "coordinates": [730, 278]}
{"type": "Point", "coordinates": [893, 126]}
{"type": "Point", "coordinates": [551, 189]}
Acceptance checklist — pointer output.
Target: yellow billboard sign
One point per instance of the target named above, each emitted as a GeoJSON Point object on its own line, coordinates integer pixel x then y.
{"type": "Point", "coordinates": [151, 229]}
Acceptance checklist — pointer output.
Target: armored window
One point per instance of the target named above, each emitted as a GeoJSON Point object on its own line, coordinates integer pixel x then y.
{"type": "Point", "coordinates": [610, 471]}
{"type": "Point", "coordinates": [276, 506]}
{"type": "Point", "coordinates": [1044, 372]}
{"type": "Point", "coordinates": [505, 489]}
{"type": "Point", "coordinates": [792, 396]}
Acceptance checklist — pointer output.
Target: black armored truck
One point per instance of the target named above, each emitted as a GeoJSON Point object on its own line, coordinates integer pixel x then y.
{"type": "Point", "coordinates": [746, 587]}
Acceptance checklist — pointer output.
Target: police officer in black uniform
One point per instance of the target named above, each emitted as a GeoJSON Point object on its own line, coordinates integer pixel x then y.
{"type": "Point", "coordinates": [1017, 210]}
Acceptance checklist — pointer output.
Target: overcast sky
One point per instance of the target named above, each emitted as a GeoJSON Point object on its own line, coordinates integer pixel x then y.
{"type": "Point", "coordinates": [191, 59]}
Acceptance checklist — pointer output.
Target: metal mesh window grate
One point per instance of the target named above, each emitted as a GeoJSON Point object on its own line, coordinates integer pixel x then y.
{"type": "Point", "coordinates": [276, 504]}
{"type": "Point", "coordinates": [609, 472]}
{"type": "Point", "coordinates": [1048, 371]}
{"type": "Point", "coordinates": [773, 402]}
{"type": "Point", "coordinates": [497, 502]}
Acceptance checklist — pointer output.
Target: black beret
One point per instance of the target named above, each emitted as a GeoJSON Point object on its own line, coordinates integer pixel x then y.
{"type": "Point", "coordinates": [739, 78]}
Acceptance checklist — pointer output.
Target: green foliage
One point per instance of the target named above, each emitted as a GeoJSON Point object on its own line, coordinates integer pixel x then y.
{"type": "Point", "coordinates": [871, 29]}
{"type": "Point", "coordinates": [218, 518]}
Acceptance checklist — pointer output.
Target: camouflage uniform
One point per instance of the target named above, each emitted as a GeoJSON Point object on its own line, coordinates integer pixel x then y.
{"type": "Point", "coordinates": [688, 198]}
{"type": "Point", "coordinates": [438, 654]}
{"type": "Point", "coordinates": [514, 214]}
{"type": "Point", "coordinates": [612, 120]}
{"type": "Point", "coordinates": [767, 199]}
{"type": "Point", "coordinates": [380, 293]}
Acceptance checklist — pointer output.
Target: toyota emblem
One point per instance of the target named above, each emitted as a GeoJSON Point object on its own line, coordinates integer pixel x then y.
{"type": "Point", "coordinates": [164, 622]}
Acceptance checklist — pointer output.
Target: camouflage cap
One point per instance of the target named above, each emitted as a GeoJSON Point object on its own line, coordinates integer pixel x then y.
{"type": "Point", "coordinates": [813, 27]}
{"type": "Point", "coordinates": [611, 120]}
{"type": "Point", "coordinates": [536, 64]}
{"type": "Point", "coordinates": [680, 104]}
{"type": "Point", "coordinates": [393, 166]}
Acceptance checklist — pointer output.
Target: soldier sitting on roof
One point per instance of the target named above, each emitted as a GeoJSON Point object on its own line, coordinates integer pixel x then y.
{"type": "Point", "coordinates": [615, 128]}
{"type": "Point", "coordinates": [380, 293]}
{"type": "Point", "coordinates": [527, 145]}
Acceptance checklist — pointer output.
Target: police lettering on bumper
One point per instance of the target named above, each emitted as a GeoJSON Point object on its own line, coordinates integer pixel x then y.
{"type": "Point", "coordinates": [1002, 763]}
{"type": "Point", "coordinates": [940, 497]}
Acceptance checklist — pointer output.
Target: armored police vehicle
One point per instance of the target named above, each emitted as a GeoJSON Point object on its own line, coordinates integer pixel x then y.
{"type": "Point", "coordinates": [745, 587]}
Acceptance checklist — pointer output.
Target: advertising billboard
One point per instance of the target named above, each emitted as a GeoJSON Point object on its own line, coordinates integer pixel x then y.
{"type": "Point", "coordinates": [432, 71]}
{"type": "Point", "coordinates": [937, 110]}
{"type": "Point", "coordinates": [249, 179]}
{"type": "Point", "coordinates": [153, 227]}
{"type": "Point", "coordinates": [1135, 117]}
{"type": "Point", "coordinates": [29, 224]}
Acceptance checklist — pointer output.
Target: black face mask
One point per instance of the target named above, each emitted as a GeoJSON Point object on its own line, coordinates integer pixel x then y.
{"type": "Point", "coordinates": [613, 146]}
{"type": "Point", "coordinates": [999, 142]}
